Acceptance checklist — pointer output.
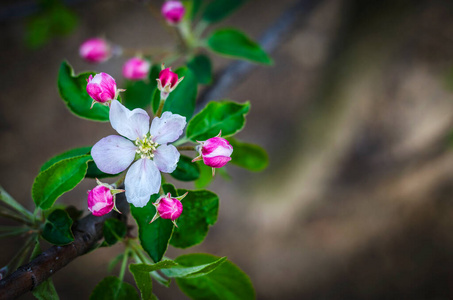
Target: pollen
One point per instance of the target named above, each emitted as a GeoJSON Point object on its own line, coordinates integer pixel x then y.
{"type": "Point", "coordinates": [145, 147]}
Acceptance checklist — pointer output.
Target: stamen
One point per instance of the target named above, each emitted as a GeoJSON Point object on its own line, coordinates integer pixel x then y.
{"type": "Point", "coordinates": [146, 147]}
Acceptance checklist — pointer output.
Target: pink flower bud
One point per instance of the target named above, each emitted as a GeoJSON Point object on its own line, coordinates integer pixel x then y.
{"type": "Point", "coordinates": [173, 11]}
{"type": "Point", "coordinates": [216, 152]}
{"type": "Point", "coordinates": [95, 50]}
{"type": "Point", "coordinates": [100, 200]}
{"type": "Point", "coordinates": [102, 88]}
{"type": "Point", "coordinates": [136, 68]}
{"type": "Point", "coordinates": [167, 81]}
{"type": "Point", "coordinates": [169, 208]}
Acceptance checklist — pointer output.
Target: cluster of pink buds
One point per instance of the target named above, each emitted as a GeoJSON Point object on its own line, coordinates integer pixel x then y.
{"type": "Point", "coordinates": [102, 89]}
{"type": "Point", "coordinates": [136, 68]}
{"type": "Point", "coordinates": [95, 50]}
{"type": "Point", "coordinates": [168, 207]}
{"type": "Point", "coordinates": [173, 11]}
{"type": "Point", "coordinates": [167, 82]}
{"type": "Point", "coordinates": [215, 152]}
{"type": "Point", "coordinates": [101, 199]}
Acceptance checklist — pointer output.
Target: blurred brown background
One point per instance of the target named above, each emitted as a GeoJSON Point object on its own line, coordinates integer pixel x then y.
{"type": "Point", "coordinates": [356, 115]}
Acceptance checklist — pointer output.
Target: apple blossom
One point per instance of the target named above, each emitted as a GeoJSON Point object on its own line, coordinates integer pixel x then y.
{"type": "Point", "coordinates": [147, 145]}
{"type": "Point", "coordinates": [173, 11]}
{"type": "Point", "coordinates": [102, 88]}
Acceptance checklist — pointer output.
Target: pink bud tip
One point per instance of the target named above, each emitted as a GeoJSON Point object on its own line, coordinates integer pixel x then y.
{"type": "Point", "coordinates": [169, 208]}
{"type": "Point", "coordinates": [173, 11]}
{"type": "Point", "coordinates": [102, 88]}
{"type": "Point", "coordinates": [95, 50]}
{"type": "Point", "coordinates": [100, 200]}
{"type": "Point", "coordinates": [216, 152]}
{"type": "Point", "coordinates": [168, 79]}
{"type": "Point", "coordinates": [136, 68]}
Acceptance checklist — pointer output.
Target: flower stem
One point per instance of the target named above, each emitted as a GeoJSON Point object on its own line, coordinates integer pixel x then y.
{"type": "Point", "coordinates": [13, 216]}
{"type": "Point", "coordinates": [181, 141]}
{"type": "Point", "coordinates": [11, 202]}
{"type": "Point", "coordinates": [161, 108]}
{"type": "Point", "coordinates": [186, 148]}
{"type": "Point", "coordinates": [124, 263]}
{"type": "Point", "coordinates": [120, 180]}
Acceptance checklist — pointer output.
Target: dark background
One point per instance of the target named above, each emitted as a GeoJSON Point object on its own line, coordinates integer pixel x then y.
{"type": "Point", "coordinates": [356, 115]}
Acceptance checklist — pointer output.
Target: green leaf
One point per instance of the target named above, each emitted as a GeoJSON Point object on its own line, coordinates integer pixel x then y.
{"type": "Point", "coordinates": [201, 66]}
{"type": "Point", "coordinates": [57, 229]}
{"type": "Point", "coordinates": [114, 231]}
{"type": "Point", "coordinates": [186, 170]}
{"type": "Point", "coordinates": [225, 116]}
{"type": "Point", "coordinates": [154, 237]}
{"type": "Point", "coordinates": [235, 44]}
{"type": "Point", "coordinates": [180, 271]}
{"type": "Point", "coordinates": [182, 100]}
{"type": "Point", "coordinates": [112, 288]}
{"type": "Point", "coordinates": [143, 279]}
{"type": "Point", "coordinates": [58, 179]}
{"type": "Point", "coordinates": [219, 9]}
{"type": "Point", "coordinates": [92, 171]}
{"type": "Point", "coordinates": [46, 290]}
{"type": "Point", "coordinates": [68, 154]}
{"type": "Point", "coordinates": [227, 282]}
{"type": "Point", "coordinates": [205, 176]}
{"type": "Point", "coordinates": [73, 92]}
{"type": "Point", "coordinates": [139, 94]}
{"type": "Point", "coordinates": [200, 209]}
{"type": "Point", "coordinates": [248, 156]}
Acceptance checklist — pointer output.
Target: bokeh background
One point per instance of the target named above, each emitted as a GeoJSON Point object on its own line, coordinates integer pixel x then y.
{"type": "Point", "coordinates": [356, 115]}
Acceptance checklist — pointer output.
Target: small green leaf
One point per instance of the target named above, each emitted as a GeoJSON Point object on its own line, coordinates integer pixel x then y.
{"type": "Point", "coordinates": [180, 271]}
{"type": "Point", "coordinates": [153, 237]}
{"type": "Point", "coordinates": [235, 44]}
{"type": "Point", "coordinates": [114, 231]}
{"type": "Point", "coordinates": [225, 116]}
{"type": "Point", "coordinates": [182, 100]}
{"type": "Point", "coordinates": [205, 176]}
{"type": "Point", "coordinates": [227, 282]}
{"type": "Point", "coordinates": [57, 229]}
{"type": "Point", "coordinates": [200, 209]}
{"type": "Point", "coordinates": [58, 179]}
{"type": "Point", "coordinates": [139, 93]}
{"type": "Point", "coordinates": [217, 10]}
{"type": "Point", "coordinates": [201, 66]}
{"type": "Point", "coordinates": [143, 279]}
{"type": "Point", "coordinates": [112, 288]}
{"type": "Point", "coordinates": [186, 170]}
{"type": "Point", "coordinates": [46, 290]}
{"type": "Point", "coordinates": [73, 92]}
{"type": "Point", "coordinates": [248, 156]}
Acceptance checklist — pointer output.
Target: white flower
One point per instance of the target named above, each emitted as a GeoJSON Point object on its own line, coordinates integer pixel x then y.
{"type": "Point", "coordinates": [113, 154]}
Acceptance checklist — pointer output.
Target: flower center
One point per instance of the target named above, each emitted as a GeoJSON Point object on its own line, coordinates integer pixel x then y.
{"type": "Point", "coordinates": [146, 147]}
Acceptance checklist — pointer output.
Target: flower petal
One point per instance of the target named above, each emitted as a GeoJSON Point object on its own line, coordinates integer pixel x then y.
{"type": "Point", "coordinates": [131, 124]}
{"type": "Point", "coordinates": [167, 128]}
{"type": "Point", "coordinates": [142, 180]}
{"type": "Point", "coordinates": [166, 158]}
{"type": "Point", "coordinates": [113, 154]}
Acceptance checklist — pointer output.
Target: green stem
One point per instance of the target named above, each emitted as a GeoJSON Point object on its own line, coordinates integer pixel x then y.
{"type": "Point", "coordinates": [14, 232]}
{"type": "Point", "coordinates": [186, 148]}
{"type": "Point", "coordinates": [7, 199]}
{"type": "Point", "coordinates": [120, 181]}
{"type": "Point", "coordinates": [181, 141]}
{"type": "Point", "coordinates": [124, 263]}
{"type": "Point", "coordinates": [11, 215]}
{"type": "Point", "coordinates": [22, 254]}
{"type": "Point", "coordinates": [161, 108]}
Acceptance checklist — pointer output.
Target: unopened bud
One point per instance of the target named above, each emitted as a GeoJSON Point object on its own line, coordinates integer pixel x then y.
{"type": "Point", "coordinates": [136, 68]}
{"type": "Point", "coordinates": [215, 152]}
{"type": "Point", "coordinates": [167, 81]}
{"type": "Point", "coordinates": [102, 88]}
{"type": "Point", "coordinates": [95, 50]}
{"type": "Point", "coordinates": [168, 207]}
{"type": "Point", "coordinates": [173, 11]}
{"type": "Point", "coordinates": [101, 199]}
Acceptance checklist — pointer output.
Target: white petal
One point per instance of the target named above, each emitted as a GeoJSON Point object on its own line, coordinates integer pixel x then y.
{"type": "Point", "coordinates": [131, 124]}
{"type": "Point", "coordinates": [166, 158]}
{"type": "Point", "coordinates": [113, 154]}
{"type": "Point", "coordinates": [142, 180]}
{"type": "Point", "coordinates": [167, 128]}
